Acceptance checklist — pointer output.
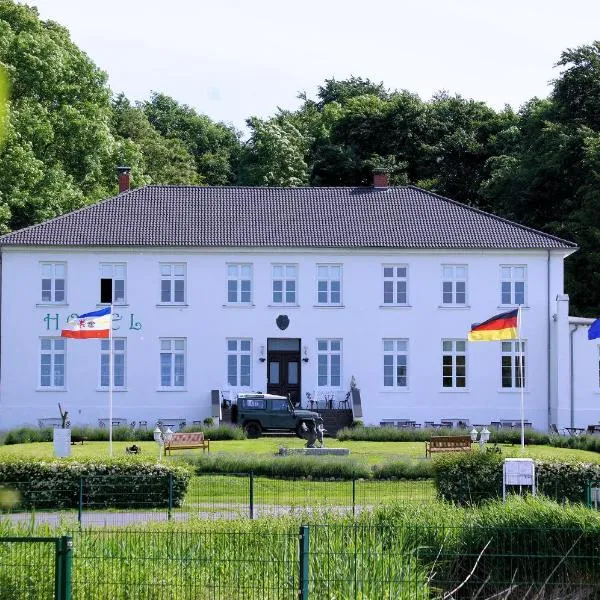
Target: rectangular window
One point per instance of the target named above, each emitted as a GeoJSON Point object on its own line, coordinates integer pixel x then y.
{"type": "Point", "coordinates": [172, 363]}
{"type": "Point", "coordinates": [54, 277]}
{"type": "Point", "coordinates": [511, 365]}
{"type": "Point", "coordinates": [329, 284]}
{"type": "Point", "coordinates": [329, 363]}
{"type": "Point", "coordinates": [112, 283]}
{"type": "Point", "coordinates": [454, 285]}
{"type": "Point", "coordinates": [52, 363]}
{"type": "Point", "coordinates": [395, 363]}
{"type": "Point", "coordinates": [119, 345]}
{"type": "Point", "coordinates": [239, 284]}
{"type": "Point", "coordinates": [238, 362]}
{"type": "Point", "coordinates": [285, 279]}
{"type": "Point", "coordinates": [395, 284]}
{"type": "Point", "coordinates": [454, 363]}
{"type": "Point", "coordinates": [512, 282]}
{"type": "Point", "coordinates": [172, 283]}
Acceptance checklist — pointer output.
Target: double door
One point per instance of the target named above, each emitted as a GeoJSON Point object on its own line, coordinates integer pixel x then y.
{"type": "Point", "coordinates": [283, 368]}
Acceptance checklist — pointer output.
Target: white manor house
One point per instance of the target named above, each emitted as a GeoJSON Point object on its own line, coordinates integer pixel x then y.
{"type": "Point", "coordinates": [292, 291]}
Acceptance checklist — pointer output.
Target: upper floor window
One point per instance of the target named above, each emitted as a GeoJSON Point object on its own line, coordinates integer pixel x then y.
{"type": "Point", "coordinates": [329, 284]}
{"type": "Point", "coordinates": [54, 276]}
{"type": "Point", "coordinates": [52, 362]}
{"type": "Point", "coordinates": [329, 363]}
{"type": "Point", "coordinates": [285, 278]}
{"type": "Point", "coordinates": [454, 363]}
{"type": "Point", "coordinates": [395, 363]}
{"type": "Point", "coordinates": [172, 363]}
{"type": "Point", "coordinates": [118, 362]}
{"type": "Point", "coordinates": [172, 283]}
{"type": "Point", "coordinates": [395, 284]}
{"type": "Point", "coordinates": [239, 284]}
{"type": "Point", "coordinates": [511, 365]}
{"type": "Point", "coordinates": [454, 285]}
{"type": "Point", "coordinates": [513, 284]}
{"type": "Point", "coordinates": [238, 362]}
{"type": "Point", "coordinates": [112, 283]}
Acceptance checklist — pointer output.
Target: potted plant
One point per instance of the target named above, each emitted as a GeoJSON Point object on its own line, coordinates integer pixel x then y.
{"type": "Point", "coordinates": [62, 435]}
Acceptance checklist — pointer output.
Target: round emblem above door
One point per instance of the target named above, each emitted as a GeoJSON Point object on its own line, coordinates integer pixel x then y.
{"type": "Point", "coordinates": [282, 321]}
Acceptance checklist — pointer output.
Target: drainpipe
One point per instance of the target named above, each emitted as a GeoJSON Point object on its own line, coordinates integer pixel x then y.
{"type": "Point", "coordinates": [572, 331]}
{"type": "Point", "coordinates": [548, 332]}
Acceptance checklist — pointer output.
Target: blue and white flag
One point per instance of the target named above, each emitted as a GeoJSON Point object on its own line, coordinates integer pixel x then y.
{"type": "Point", "coordinates": [594, 331]}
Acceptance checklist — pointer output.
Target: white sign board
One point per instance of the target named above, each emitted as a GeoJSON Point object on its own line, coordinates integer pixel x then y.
{"type": "Point", "coordinates": [518, 471]}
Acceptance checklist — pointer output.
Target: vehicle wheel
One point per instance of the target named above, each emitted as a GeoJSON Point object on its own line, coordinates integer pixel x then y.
{"type": "Point", "coordinates": [252, 429]}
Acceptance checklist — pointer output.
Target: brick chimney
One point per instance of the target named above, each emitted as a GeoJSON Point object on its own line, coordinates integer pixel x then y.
{"type": "Point", "coordinates": [381, 179]}
{"type": "Point", "coordinates": [124, 173]}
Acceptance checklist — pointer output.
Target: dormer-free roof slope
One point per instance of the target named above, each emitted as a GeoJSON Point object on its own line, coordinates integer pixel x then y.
{"type": "Point", "coordinates": [308, 217]}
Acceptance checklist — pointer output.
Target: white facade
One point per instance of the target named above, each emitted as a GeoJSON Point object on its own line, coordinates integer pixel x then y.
{"type": "Point", "coordinates": [362, 322]}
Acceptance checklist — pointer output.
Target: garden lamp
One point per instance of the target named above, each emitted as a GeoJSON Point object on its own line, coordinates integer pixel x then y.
{"type": "Point", "coordinates": [485, 435]}
{"type": "Point", "coordinates": [158, 438]}
{"type": "Point", "coordinates": [474, 433]}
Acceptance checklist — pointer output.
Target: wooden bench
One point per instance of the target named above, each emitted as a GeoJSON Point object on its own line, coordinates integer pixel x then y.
{"type": "Point", "coordinates": [185, 441]}
{"type": "Point", "coordinates": [448, 443]}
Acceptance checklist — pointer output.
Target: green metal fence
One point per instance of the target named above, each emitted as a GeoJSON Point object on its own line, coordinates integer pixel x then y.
{"type": "Point", "coordinates": [35, 568]}
{"type": "Point", "coordinates": [277, 562]}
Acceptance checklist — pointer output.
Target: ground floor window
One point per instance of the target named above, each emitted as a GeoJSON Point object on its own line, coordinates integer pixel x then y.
{"type": "Point", "coordinates": [454, 363]}
{"type": "Point", "coordinates": [511, 364]}
{"type": "Point", "coordinates": [52, 362]}
{"type": "Point", "coordinates": [329, 363]}
{"type": "Point", "coordinates": [172, 363]}
{"type": "Point", "coordinates": [395, 363]}
{"type": "Point", "coordinates": [238, 362]}
{"type": "Point", "coordinates": [119, 345]}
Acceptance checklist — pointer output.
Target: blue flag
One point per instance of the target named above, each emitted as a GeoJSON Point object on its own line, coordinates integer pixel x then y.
{"type": "Point", "coordinates": [594, 331]}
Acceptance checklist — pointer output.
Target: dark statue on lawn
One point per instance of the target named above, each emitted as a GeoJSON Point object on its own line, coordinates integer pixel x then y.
{"type": "Point", "coordinates": [312, 433]}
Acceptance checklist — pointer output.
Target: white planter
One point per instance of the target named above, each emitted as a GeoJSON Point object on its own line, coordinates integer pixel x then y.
{"type": "Point", "coordinates": [62, 442]}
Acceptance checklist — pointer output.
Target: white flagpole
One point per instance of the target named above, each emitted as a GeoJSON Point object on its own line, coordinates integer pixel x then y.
{"type": "Point", "coordinates": [110, 383]}
{"type": "Point", "coordinates": [519, 317]}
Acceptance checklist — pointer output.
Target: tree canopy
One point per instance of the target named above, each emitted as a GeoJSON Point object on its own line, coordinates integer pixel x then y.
{"type": "Point", "coordinates": [65, 132]}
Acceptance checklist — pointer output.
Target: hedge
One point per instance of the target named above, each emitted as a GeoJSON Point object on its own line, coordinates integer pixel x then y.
{"type": "Point", "coordinates": [118, 483]}
{"type": "Point", "coordinates": [472, 477]}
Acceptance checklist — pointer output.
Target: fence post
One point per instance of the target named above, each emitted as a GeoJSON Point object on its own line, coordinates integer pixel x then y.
{"type": "Point", "coordinates": [353, 496]}
{"type": "Point", "coordinates": [252, 494]}
{"type": "Point", "coordinates": [63, 569]}
{"type": "Point", "coordinates": [588, 494]}
{"type": "Point", "coordinates": [170, 496]}
{"type": "Point", "coordinates": [80, 503]}
{"type": "Point", "coordinates": [303, 566]}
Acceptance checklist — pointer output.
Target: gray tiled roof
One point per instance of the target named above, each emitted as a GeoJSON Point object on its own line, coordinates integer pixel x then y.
{"type": "Point", "coordinates": [401, 217]}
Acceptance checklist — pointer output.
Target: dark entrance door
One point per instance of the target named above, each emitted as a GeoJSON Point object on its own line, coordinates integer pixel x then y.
{"type": "Point", "coordinates": [283, 368]}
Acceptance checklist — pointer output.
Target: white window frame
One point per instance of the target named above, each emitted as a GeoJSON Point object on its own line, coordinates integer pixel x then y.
{"type": "Point", "coordinates": [451, 348]}
{"type": "Point", "coordinates": [329, 356]}
{"type": "Point", "coordinates": [173, 348]}
{"type": "Point", "coordinates": [509, 349]}
{"type": "Point", "coordinates": [239, 363]}
{"type": "Point", "coordinates": [119, 354]}
{"type": "Point", "coordinates": [288, 279]}
{"type": "Point", "coordinates": [235, 273]}
{"type": "Point", "coordinates": [48, 272]}
{"type": "Point", "coordinates": [55, 347]}
{"type": "Point", "coordinates": [396, 280]}
{"type": "Point", "coordinates": [394, 349]}
{"type": "Point", "coordinates": [176, 273]}
{"type": "Point", "coordinates": [326, 275]}
{"type": "Point", "coordinates": [512, 280]}
{"type": "Point", "coordinates": [451, 275]}
{"type": "Point", "coordinates": [108, 271]}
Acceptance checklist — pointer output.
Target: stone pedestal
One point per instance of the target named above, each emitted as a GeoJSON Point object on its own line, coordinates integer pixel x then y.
{"type": "Point", "coordinates": [62, 442]}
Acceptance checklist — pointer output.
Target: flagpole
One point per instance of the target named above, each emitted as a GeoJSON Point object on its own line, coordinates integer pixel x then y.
{"type": "Point", "coordinates": [519, 316]}
{"type": "Point", "coordinates": [110, 384]}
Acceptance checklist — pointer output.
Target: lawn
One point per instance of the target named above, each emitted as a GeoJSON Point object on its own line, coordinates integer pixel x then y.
{"type": "Point", "coordinates": [371, 452]}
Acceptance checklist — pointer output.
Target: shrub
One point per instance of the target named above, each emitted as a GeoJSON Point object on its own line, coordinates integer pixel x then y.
{"type": "Point", "coordinates": [404, 469]}
{"type": "Point", "coordinates": [468, 477]}
{"type": "Point", "coordinates": [115, 483]}
{"type": "Point", "coordinates": [28, 435]}
{"type": "Point", "coordinates": [222, 432]}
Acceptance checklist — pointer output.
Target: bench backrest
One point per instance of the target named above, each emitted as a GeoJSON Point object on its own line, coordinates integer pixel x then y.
{"type": "Point", "coordinates": [187, 438]}
{"type": "Point", "coordinates": [450, 440]}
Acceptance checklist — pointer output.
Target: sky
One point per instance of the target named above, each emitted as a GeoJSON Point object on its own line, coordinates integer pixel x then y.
{"type": "Point", "coordinates": [231, 59]}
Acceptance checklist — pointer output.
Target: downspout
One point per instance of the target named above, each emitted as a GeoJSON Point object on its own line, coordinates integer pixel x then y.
{"type": "Point", "coordinates": [548, 332]}
{"type": "Point", "coordinates": [572, 382]}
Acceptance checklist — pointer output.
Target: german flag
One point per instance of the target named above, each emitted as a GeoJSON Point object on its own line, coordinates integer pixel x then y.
{"type": "Point", "coordinates": [501, 327]}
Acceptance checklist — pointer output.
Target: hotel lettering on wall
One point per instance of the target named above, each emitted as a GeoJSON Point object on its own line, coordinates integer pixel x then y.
{"type": "Point", "coordinates": [52, 322]}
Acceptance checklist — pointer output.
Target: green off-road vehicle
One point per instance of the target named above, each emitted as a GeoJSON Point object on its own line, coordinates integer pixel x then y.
{"type": "Point", "coordinates": [266, 412]}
